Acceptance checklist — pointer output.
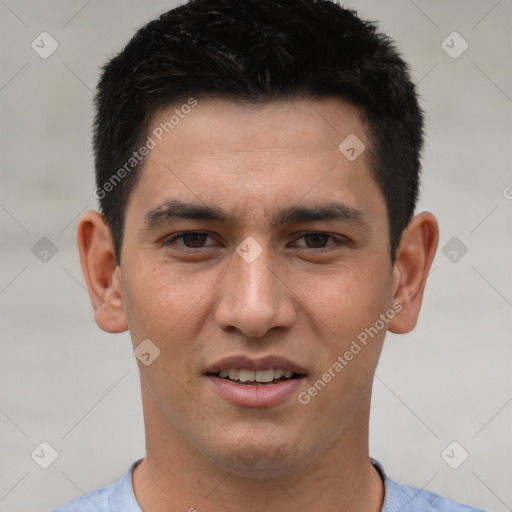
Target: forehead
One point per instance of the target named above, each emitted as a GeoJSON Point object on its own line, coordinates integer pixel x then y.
{"type": "Point", "coordinates": [260, 158]}
{"type": "Point", "coordinates": [297, 124]}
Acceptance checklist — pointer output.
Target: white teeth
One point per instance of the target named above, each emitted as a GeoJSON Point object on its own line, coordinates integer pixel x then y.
{"type": "Point", "coordinates": [264, 376]}
{"type": "Point", "coordinates": [233, 374]}
{"type": "Point", "coordinates": [244, 375]}
{"type": "Point", "coordinates": [278, 373]}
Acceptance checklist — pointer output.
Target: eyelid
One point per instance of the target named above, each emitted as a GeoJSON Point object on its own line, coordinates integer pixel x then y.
{"type": "Point", "coordinates": [338, 240]}
{"type": "Point", "coordinates": [179, 236]}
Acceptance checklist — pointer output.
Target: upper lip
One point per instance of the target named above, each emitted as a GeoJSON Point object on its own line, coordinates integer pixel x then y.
{"type": "Point", "coordinates": [263, 363]}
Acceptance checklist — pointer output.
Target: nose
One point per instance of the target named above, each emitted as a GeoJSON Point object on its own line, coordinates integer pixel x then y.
{"type": "Point", "coordinates": [255, 298]}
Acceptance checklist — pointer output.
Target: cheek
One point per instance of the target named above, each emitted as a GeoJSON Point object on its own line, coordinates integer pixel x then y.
{"type": "Point", "coordinates": [346, 301]}
{"type": "Point", "coordinates": [160, 304]}
{"type": "Point", "coordinates": [351, 303]}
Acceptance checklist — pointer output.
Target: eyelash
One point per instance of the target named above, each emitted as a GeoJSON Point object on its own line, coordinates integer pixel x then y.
{"type": "Point", "coordinates": [338, 241]}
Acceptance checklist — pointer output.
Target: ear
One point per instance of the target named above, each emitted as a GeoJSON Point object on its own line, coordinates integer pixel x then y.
{"type": "Point", "coordinates": [412, 265]}
{"type": "Point", "coordinates": [101, 272]}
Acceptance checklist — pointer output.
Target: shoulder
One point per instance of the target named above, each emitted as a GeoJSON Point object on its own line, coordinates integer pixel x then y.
{"type": "Point", "coordinates": [410, 499]}
{"type": "Point", "coordinates": [90, 503]}
{"type": "Point", "coordinates": [405, 498]}
{"type": "Point", "coordinates": [116, 497]}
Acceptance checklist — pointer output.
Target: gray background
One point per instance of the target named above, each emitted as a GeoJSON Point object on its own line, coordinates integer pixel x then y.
{"type": "Point", "coordinates": [66, 382]}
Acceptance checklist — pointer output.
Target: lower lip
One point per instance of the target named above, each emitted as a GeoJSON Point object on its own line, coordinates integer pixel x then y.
{"type": "Point", "coordinates": [255, 396]}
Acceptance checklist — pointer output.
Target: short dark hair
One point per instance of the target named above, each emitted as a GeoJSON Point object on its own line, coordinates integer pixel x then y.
{"type": "Point", "coordinates": [258, 51]}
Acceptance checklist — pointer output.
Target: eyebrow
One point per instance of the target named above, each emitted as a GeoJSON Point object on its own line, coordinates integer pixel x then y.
{"type": "Point", "coordinates": [176, 209]}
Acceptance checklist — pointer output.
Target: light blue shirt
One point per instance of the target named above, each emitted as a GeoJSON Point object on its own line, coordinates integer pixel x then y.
{"type": "Point", "coordinates": [119, 497]}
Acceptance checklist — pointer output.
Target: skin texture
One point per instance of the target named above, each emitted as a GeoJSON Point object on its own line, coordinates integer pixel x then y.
{"type": "Point", "coordinates": [303, 298]}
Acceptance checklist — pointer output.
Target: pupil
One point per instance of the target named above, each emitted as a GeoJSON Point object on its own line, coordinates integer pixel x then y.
{"type": "Point", "coordinates": [197, 239]}
{"type": "Point", "coordinates": [317, 237]}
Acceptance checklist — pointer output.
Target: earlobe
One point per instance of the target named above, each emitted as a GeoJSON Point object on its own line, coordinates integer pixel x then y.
{"type": "Point", "coordinates": [101, 272]}
{"type": "Point", "coordinates": [412, 266]}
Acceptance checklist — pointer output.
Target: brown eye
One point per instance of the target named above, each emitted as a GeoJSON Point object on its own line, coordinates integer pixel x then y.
{"type": "Point", "coordinates": [316, 240]}
{"type": "Point", "coordinates": [194, 240]}
{"type": "Point", "coordinates": [190, 239]}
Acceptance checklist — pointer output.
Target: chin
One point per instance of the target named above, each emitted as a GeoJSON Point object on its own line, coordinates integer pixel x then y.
{"type": "Point", "coordinates": [258, 455]}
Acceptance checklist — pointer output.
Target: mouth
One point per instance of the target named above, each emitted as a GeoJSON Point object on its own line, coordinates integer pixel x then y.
{"type": "Point", "coordinates": [255, 382]}
{"type": "Point", "coordinates": [246, 377]}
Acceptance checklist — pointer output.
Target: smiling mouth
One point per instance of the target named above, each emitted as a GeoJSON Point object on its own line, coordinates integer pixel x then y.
{"type": "Point", "coordinates": [246, 377]}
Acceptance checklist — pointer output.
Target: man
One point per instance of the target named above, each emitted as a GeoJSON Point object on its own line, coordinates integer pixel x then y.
{"type": "Point", "coordinates": [257, 166]}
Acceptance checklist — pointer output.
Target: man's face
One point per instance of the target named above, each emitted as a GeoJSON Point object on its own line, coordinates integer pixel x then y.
{"type": "Point", "coordinates": [268, 285]}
